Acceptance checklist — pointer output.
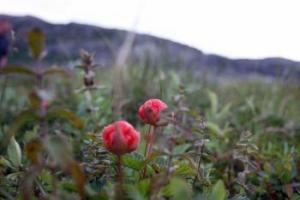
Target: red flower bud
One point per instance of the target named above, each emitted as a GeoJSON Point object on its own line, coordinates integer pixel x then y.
{"type": "Point", "coordinates": [45, 104]}
{"type": "Point", "coordinates": [150, 111]}
{"type": "Point", "coordinates": [5, 27]}
{"type": "Point", "coordinates": [120, 137]}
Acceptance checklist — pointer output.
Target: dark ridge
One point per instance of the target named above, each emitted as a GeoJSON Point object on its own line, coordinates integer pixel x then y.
{"type": "Point", "coordinates": [64, 41]}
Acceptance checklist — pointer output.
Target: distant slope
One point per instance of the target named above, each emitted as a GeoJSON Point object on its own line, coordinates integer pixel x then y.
{"type": "Point", "coordinates": [65, 40]}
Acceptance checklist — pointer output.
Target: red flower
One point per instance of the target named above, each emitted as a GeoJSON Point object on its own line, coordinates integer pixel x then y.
{"type": "Point", "coordinates": [150, 111]}
{"type": "Point", "coordinates": [120, 137]}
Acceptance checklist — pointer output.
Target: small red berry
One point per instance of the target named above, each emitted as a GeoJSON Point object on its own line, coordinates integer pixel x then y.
{"type": "Point", "coordinates": [150, 111]}
{"type": "Point", "coordinates": [120, 138]}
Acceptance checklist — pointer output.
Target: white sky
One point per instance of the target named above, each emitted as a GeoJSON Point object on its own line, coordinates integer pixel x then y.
{"type": "Point", "coordinates": [234, 28]}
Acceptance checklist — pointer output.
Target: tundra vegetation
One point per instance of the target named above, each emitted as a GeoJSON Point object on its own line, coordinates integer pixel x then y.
{"type": "Point", "coordinates": [132, 131]}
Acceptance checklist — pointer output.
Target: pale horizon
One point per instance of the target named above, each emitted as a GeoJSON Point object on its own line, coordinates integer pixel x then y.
{"type": "Point", "coordinates": [233, 28]}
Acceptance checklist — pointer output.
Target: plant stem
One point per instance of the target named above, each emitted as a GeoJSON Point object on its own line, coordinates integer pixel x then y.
{"type": "Point", "coordinates": [147, 141]}
{"type": "Point", "coordinates": [119, 192]}
{"type": "Point", "coordinates": [199, 175]}
{"type": "Point", "coordinates": [2, 97]}
{"type": "Point", "coordinates": [151, 140]}
{"type": "Point", "coordinates": [148, 149]}
{"type": "Point", "coordinates": [43, 131]}
{"type": "Point", "coordinates": [3, 92]}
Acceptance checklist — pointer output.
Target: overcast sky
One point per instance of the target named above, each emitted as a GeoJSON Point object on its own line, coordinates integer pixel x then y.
{"type": "Point", "coordinates": [234, 28]}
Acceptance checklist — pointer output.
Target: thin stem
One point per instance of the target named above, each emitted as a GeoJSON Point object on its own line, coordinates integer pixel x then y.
{"type": "Point", "coordinates": [2, 97]}
{"type": "Point", "coordinates": [54, 184]}
{"type": "Point", "coordinates": [147, 141]}
{"type": "Point", "coordinates": [169, 165]}
{"type": "Point", "coordinates": [119, 192]}
{"type": "Point", "coordinates": [40, 187]}
{"type": "Point", "coordinates": [43, 131]}
{"type": "Point", "coordinates": [3, 92]}
{"type": "Point", "coordinates": [148, 149]}
{"type": "Point", "coordinates": [199, 171]}
{"type": "Point", "coordinates": [151, 140]}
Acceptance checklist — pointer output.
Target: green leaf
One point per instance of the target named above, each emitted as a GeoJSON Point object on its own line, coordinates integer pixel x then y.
{"type": "Point", "coordinates": [213, 101]}
{"type": "Point", "coordinates": [144, 186]}
{"type": "Point", "coordinates": [13, 69]}
{"type": "Point", "coordinates": [36, 44]}
{"type": "Point", "coordinates": [225, 111]}
{"type": "Point", "coordinates": [214, 128]}
{"type": "Point", "coordinates": [68, 115]}
{"type": "Point", "coordinates": [218, 191]}
{"type": "Point", "coordinates": [251, 104]}
{"type": "Point", "coordinates": [14, 152]}
{"type": "Point", "coordinates": [185, 170]}
{"type": "Point", "coordinates": [178, 189]}
{"type": "Point", "coordinates": [179, 149]}
{"type": "Point", "coordinates": [4, 163]}
{"type": "Point", "coordinates": [23, 118]}
{"type": "Point", "coordinates": [132, 162]}
{"type": "Point", "coordinates": [133, 193]}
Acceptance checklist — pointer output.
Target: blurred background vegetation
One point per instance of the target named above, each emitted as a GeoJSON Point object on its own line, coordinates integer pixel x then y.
{"type": "Point", "coordinates": [235, 137]}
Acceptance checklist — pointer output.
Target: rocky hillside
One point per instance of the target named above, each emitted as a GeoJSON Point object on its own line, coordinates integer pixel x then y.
{"type": "Point", "coordinates": [65, 40]}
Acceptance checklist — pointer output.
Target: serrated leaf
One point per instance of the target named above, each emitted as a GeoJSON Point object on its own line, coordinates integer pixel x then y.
{"type": "Point", "coordinates": [36, 44]}
{"type": "Point", "coordinates": [14, 152]}
{"type": "Point", "coordinates": [13, 69]}
{"type": "Point", "coordinates": [68, 115]}
{"type": "Point", "coordinates": [218, 191]}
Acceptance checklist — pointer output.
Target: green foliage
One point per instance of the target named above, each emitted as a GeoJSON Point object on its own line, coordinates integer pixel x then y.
{"type": "Point", "coordinates": [218, 191]}
{"type": "Point", "coordinates": [224, 139]}
{"type": "Point", "coordinates": [67, 115]}
{"type": "Point", "coordinates": [178, 189]}
{"type": "Point", "coordinates": [14, 153]}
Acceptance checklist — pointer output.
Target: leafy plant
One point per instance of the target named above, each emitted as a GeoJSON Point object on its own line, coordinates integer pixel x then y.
{"type": "Point", "coordinates": [216, 140]}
